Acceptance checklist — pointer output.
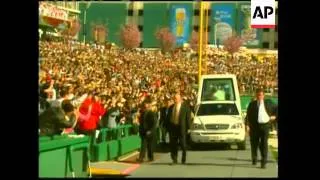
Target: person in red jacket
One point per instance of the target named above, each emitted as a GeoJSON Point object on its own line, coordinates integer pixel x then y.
{"type": "Point", "coordinates": [90, 112]}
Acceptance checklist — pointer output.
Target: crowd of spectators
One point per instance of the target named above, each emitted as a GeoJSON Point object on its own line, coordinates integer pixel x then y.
{"type": "Point", "coordinates": [106, 86]}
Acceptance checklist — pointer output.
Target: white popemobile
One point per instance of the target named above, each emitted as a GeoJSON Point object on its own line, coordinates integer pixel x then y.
{"type": "Point", "coordinates": [218, 117]}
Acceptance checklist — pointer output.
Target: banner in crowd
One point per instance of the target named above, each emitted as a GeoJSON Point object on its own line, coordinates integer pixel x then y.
{"type": "Point", "coordinates": [52, 11]}
{"type": "Point", "coordinates": [223, 21]}
{"type": "Point", "coordinates": [180, 23]}
{"type": "Point", "coordinates": [245, 29]}
{"type": "Point", "coordinates": [52, 15]}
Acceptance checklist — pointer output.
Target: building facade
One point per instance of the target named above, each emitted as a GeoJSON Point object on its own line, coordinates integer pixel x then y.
{"type": "Point", "coordinates": [72, 7]}
{"type": "Point", "coordinates": [149, 16]}
{"type": "Point", "coordinates": [57, 15]}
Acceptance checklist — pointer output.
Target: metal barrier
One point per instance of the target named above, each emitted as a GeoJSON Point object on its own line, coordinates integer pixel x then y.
{"type": "Point", "coordinates": [63, 156]}
{"type": "Point", "coordinates": [113, 143]}
{"type": "Point", "coordinates": [72, 158]}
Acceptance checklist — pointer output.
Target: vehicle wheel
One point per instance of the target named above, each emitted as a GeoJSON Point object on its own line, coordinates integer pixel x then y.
{"type": "Point", "coordinates": [242, 145]}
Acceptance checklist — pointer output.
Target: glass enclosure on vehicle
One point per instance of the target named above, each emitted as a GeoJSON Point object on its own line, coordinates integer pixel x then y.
{"type": "Point", "coordinates": [217, 109]}
{"type": "Point", "coordinates": [218, 90]}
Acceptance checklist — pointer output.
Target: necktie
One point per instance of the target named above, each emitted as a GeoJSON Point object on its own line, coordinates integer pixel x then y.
{"type": "Point", "coordinates": [176, 119]}
{"type": "Point", "coordinates": [174, 115]}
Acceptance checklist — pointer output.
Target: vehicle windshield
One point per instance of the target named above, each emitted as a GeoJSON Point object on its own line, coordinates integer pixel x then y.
{"type": "Point", "coordinates": [217, 109]}
{"type": "Point", "coordinates": [218, 90]}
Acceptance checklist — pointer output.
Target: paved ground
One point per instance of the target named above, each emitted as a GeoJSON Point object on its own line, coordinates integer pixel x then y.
{"type": "Point", "coordinates": [205, 161]}
{"type": "Point", "coordinates": [273, 140]}
{"type": "Point", "coordinates": [208, 162]}
{"type": "Point", "coordinates": [273, 143]}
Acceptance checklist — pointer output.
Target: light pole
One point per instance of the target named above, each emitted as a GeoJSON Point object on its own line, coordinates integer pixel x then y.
{"type": "Point", "coordinates": [215, 34]}
{"type": "Point", "coordinates": [200, 43]}
{"type": "Point", "coordinates": [84, 26]}
{"type": "Point", "coordinates": [85, 22]}
{"type": "Point", "coordinates": [206, 39]}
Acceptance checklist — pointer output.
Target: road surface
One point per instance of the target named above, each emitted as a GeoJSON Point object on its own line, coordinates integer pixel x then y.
{"type": "Point", "coordinates": [208, 162]}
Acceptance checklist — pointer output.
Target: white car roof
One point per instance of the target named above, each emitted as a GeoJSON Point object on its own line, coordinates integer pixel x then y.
{"type": "Point", "coordinates": [217, 102]}
{"type": "Point", "coordinates": [218, 76]}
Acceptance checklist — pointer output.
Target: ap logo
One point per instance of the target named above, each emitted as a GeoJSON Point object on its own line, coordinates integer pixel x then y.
{"type": "Point", "coordinates": [263, 14]}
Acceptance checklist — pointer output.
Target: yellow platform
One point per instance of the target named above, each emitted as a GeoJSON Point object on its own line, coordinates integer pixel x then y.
{"type": "Point", "coordinates": [111, 168]}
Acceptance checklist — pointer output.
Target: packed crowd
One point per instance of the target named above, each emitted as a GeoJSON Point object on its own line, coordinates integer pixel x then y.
{"type": "Point", "coordinates": [111, 84]}
{"type": "Point", "coordinates": [252, 72]}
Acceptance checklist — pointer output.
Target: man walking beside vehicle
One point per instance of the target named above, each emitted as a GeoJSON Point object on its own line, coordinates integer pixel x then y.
{"type": "Point", "coordinates": [148, 127]}
{"type": "Point", "coordinates": [178, 127]}
{"type": "Point", "coordinates": [164, 111]}
{"type": "Point", "coordinates": [259, 114]}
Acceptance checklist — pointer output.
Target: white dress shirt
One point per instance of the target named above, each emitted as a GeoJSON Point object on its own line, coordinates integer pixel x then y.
{"type": "Point", "coordinates": [263, 116]}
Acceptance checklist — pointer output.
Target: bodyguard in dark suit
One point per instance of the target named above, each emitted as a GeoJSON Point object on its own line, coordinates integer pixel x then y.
{"type": "Point", "coordinates": [164, 112]}
{"type": "Point", "coordinates": [148, 130]}
{"type": "Point", "coordinates": [259, 114]}
{"type": "Point", "coordinates": [178, 126]}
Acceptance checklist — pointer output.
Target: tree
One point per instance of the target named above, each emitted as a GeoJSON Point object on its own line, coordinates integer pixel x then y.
{"type": "Point", "coordinates": [99, 32]}
{"type": "Point", "coordinates": [166, 38]}
{"type": "Point", "coordinates": [72, 30]}
{"type": "Point", "coordinates": [194, 40]}
{"type": "Point", "coordinates": [130, 36]}
{"type": "Point", "coordinates": [232, 45]}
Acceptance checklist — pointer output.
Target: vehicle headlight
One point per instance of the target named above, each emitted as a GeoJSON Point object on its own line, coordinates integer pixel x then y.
{"type": "Point", "coordinates": [237, 126]}
{"type": "Point", "coordinates": [197, 126]}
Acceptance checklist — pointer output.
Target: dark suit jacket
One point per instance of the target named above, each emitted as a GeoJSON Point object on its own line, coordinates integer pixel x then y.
{"type": "Point", "coordinates": [252, 112]}
{"type": "Point", "coordinates": [148, 123]}
{"type": "Point", "coordinates": [163, 115]}
{"type": "Point", "coordinates": [184, 118]}
{"type": "Point", "coordinates": [52, 121]}
{"type": "Point", "coordinates": [276, 114]}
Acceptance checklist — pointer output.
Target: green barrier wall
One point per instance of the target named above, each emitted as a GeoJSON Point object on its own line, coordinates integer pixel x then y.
{"type": "Point", "coordinates": [114, 150]}
{"type": "Point", "coordinates": [113, 143]}
{"type": "Point", "coordinates": [245, 100]}
{"type": "Point", "coordinates": [78, 159]}
{"type": "Point", "coordinates": [57, 159]}
{"type": "Point", "coordinates": [60, 156]}
{"type": "Point", "coordinates": [129, 144]}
